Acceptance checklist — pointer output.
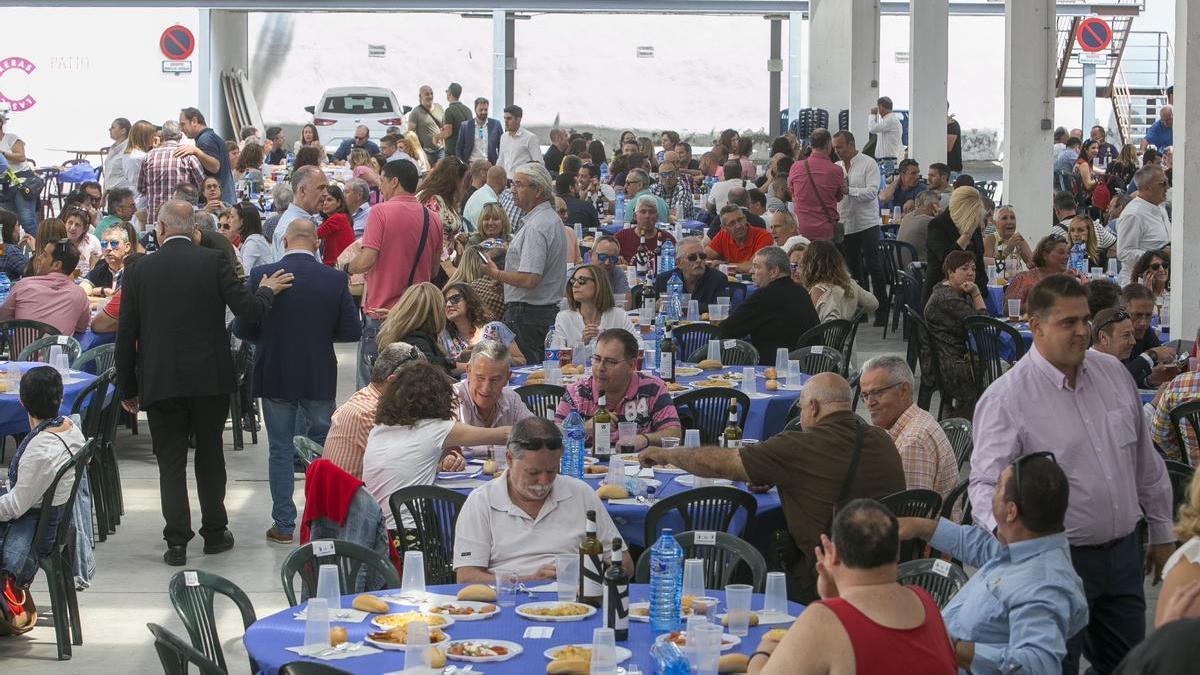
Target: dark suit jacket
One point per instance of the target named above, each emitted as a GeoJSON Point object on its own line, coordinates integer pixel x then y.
{"type": "Point", "coordinates": [294, 358]}
{"type": "Point", "coordinates": [1137, 366]}
{"type": "Point", "coordinates": [466, 140]}
{"type": "Point", "coordinates": [942, 238]}
{"type": "Point", "coordinates": [171, 337]}
{"type": "Point", "coordinates": [579, 211]}
{"type": "Point", "coordinates": [773, 316]}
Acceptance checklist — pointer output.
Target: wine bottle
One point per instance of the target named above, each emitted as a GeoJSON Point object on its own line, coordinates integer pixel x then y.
{"type": "Point", "coordinates": [666, 356]}
{"type": "Point", "coordinates": [732, 436]}
{"type": "Point", "coordinates": [642, 259]}
{"type": "Point", "coordinates": [602, 431]}
{"type": "Point", "coordinates": [590, 577]}
{"type": "Point", "coordinates": [616, 596]}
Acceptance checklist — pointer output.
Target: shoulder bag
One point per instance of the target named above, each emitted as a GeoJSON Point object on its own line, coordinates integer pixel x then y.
{"type": "Point", "coordinates": [839, 230]}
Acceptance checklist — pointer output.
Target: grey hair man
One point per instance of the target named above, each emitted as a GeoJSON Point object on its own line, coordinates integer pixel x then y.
{"type": "Point", "coordinates": [914, 226]}
{"type": "Point", "coordinates": [1145, 225]}
{"type": "Point", "coordinates": [925, 451]}
{"type": "Point", "coordinates": [637, 186]}
{"type": "Point", "coordinates": [784, 230]}
{"type": "Point", "coordinates": [281, 199]}
{"type": "Point", "coordinates": [606, 253]}
{"type": "Point", "coordinates": [484, 399]}
{"type": "Point", "coordinates": [358, 203]}
{"type": "Point", "coordinates": [523, 520]}
{"type": "Point", "coordinates": [308, 187]}
{"type": "Point", "coordinates": [163, 172]}
{"type": "Point", "coordinates": [778, 313]}
{"type": "Point", "coordinates": [704, 283]}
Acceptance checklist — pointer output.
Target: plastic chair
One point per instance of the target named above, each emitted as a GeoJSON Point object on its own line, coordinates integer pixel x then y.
{"type": "Point", "coordinates": [958, 430]}
{"type": "Point", "coordinates": [817, 359]}
{"type": "Point", "coordinates": [176, 655]}
{"type": "Point", "coordinates": [309, 449]}
{"type": "Point", "coordinates": [39, 349]}
{"type": "Point", "coordinates": [309, 668]}
{"type": "Point", "coordinates": [895, 255]}
{"type": "Point", "coordinates": [913, 504]}
{"type": "Point", "coordinates": [1181, 478]}
{"type": "Point", "coordinates": [693, 337]}
{"type": "Point", "coordinates": [90, 406]}
{"type": "Point", "coordinates": [19, 333]}
{"type": "Point", "coordinates": [194, 605]}
{"type": "Point", "coordinates": [958, 498]}
{"type": "Point", "coordinates": [1189, 412]}
{"type": "Point", "coordinates": [987, 188]}
{"type": "Point", "coordinates": [838, 334]}
{"type": "Point", "coordinates": [541, 399]}
{"type": "Point", "coordinates": [241, 367]}
{"type": "Point", "coordinates": [434, 511]}
{"type": "Point", "coordinates": [351, 560]}
{"type": "Point", "coordinates": [97, 359]}
{"type": "Point", "coordinates": [940, 578]}
{"type": "Point", "coordinates": [984, 336]}
{"type": "Point", "coordinates": [705, 508]}
{"type": "Point", "coordinates": [733, 353]}
{"type": "Point", "coordinates": [722, 560]}
{"type": "Point", "coordinates": [707, 409]}
{"type": "Point", "coordinates": [931, 369]}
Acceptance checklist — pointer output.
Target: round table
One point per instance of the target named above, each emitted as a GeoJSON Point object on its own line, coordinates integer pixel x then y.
{"type": "Point", "coordinates": [267, 639]}
{"type": "Point", "coordinates": [13, 419]}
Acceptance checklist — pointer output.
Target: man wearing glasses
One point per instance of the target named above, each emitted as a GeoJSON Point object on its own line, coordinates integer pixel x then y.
{"type": "Point", "coordinates": [645, 224]}
{"type": "Point", "coordinates": [103, 279]}
{"type": "Point", "coordinates": [1145, 225]}
{"type": "Point", "coordinates": [1150, 362]}
{"type": "Point", "coordinates": [675, 192]}
{"type": "Point", "coordinates": [1084, 406]}
{"type": "Point", "coordinates": [704, 283]}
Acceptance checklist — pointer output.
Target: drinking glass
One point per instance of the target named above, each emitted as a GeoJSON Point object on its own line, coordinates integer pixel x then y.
{"type": "Point", "coordinates": [604, 651]}
{"type": "Point", "coordinates": [793, 372]}
{"type": "Point", "coordinates": [669, 443]}
{"type": "Point", "coordinates": [776, 595]}
{"type": "Point", "coordinates": [553, 373]}
{"type": "Point", "coordinates": [708, 647]}
{"type": "Point", "coordinates": [691, 438]}
{"type": "Point", "coordinates": [714, 350]}
{"type": "Point", "coordinates": [692, 624]}
{"type": "Point", "coordinates": [1112, 267]}
{"type": "Point", "coordinates": [316, 624]}
{"type": "Point", "coordinates": [749, 380]}
{"type": "Point", "coordinates": [416, 648]}
{"type": "Point", "coordinates": [1014, 309]}
{"type": "Point", "coordinates": [693, 577]}
{"type": "Point", "coordinates": [693, 310]}
{"type": "Point", "coordinates": [566, 570]}
{"type": "Point", "coordinates": [329, 588]}
{"type": "Point", "coordinates": [781, 360]}
{"type": "Point", "coordinates": [723, 300]}
{"type": "Point", "coordinates": [626, 438]}
{"type": "Point", "coordinates": [413, 581]}
{"type": "Point", "coordinates": [506, 587]}
{"type": "Point", "coordinates": [737, 599]}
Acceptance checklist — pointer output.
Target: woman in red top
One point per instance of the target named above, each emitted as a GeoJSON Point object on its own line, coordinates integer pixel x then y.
{"type": "Point", "coordinates": [335, 231]}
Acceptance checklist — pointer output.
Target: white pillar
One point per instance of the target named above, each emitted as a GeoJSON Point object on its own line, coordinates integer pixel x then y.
{"type": "Point", "coordinates": [222, 44]}
{"type": "Point", "coordinates": [1185, 197]}
{"type": "Point", "coordinates": [499, 62]}
{"type": "Point", "coordinates": [1029, 35]}
{"type": "Point", "coordinates": [828, 56]}
{"type": "Point", "coordinates": [864, 65]}
{"type": "Point", "coordinates": [929, 57]}
{"type": "Point", "coordinates": [795, 57]}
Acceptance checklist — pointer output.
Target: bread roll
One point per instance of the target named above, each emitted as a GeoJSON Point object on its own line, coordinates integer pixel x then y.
{"type": "Point", "coordinates": [489, 467]}
{"type": "Point", "coordinates": [337, 635]}
{"type": "Point", "coordinates": [564, 667]}
{"type": "Point", "coordinates": [770, 373]}
{"type": "Point", "coordinates": [437, 658]}
{"type": "Point", "coordinates": [709, 364]}
{"type": "Point", "coordinates": [478, 593]}
{"type": "Point", "coordinates": [772, 385]}
{"type": "Point", "coordinates": [370, 604]}
{"type": "Point", "coordinates": [607, 491]}
{"type": "Point", "coordinates": [753, 619]}
{"type": "Point", "coordinates": [775, 634]}
{"type": "Point", "coordinates": [733, 663]}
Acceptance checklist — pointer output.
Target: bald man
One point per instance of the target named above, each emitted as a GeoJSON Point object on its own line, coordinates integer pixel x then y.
{"type": "Point", "coordinates": [835, 458]}
{"type": "Point", "coordinates": [295, 370]}
{"type": "Point", "coordinates": [494, 183]}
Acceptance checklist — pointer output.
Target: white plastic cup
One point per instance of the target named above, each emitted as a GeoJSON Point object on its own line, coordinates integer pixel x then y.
{"type": "Point", "coordinates": [316, 624]}
{"type": "Point", "coordinates": [793, 372]}
{"type": "Point", "coordinates": [781, 360]}
{"type": "Point", "coordinates": [708, 647]}
{"type": "Point", "coordinates": [714, 350]}
{"type": "Point", "coordinates": [566, 571]}
{"type": "Point", "coordinates": [1014, 309]}
{"type": "Point", "coordinates": [55, 352]}
{"type": "Point", "coordinates": [737, 600]}
{"type": "Point", "coordinates": [619, 300]}
{"type": "Point", "coordinates": [604, 651]}
{"type": "Point", "coordinates": [1112, 267]}
{"type": "Point", "coordinates": [416, 648]}
{"type": "Point", "coordinates": [1097, 272]}
{"type": "Point", "coordinates": [723, 300]}
{"type": "Point", "coordinates": [693, 310]}
{"type": "Point", "coordinates": [669, 442]}
{"type": "Point", "coordinates": [626, 439]}
{"type": "Point", "coordinates": [691, 438]}
{"type": "Point", "coordinates": [749, 380]}
{"type": "Point", "coordinates": [689, 648]}
{"type": "Point", "coordinates": [693, 577]}
{"type": "Point", "coordinates": [329, 587]}
{"type": "Point", "coordinates": [506, 587]}
{"type": "Point", "coordinates": [413, 581]}
{"type": "Point", "coordinates": [775, 601]}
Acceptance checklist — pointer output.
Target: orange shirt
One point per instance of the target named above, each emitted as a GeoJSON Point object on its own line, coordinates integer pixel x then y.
{"type": "Point", "coordinates": [756, 238]}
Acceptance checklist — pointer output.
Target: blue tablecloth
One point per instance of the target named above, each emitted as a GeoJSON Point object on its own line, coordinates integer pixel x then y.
{"type": "Point", "coordinates": [994, 299]}
{"type": "Point", "coordinates": [1008, 351]}
{"type": "Point", "coordinates": [88, 339]}
{"type": "Point", "coordinates": [268, 638]}
{"type": "Point", "coordinates": [12, 416]}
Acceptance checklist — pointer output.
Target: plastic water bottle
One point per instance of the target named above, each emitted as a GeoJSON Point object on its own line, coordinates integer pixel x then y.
{"type": "Point", "coordinates": [666, 256]}
{"type": "Point", "coordinates": [5, 284]}
{"type": "Point", "coordinates": [669, 659]}
{"type": "Point", "coordinates": [619, 208]}
{"type": "Point", "coordinates": [553, 346]}
{"type": "Point", "coordinates": [578, 232]}
{"type": "Point", "coordinates": [675, 297]}
{"type": "Point", "coordinates": [604, 172]}
{"type": "Point", "coordinates": [1078, 259]}
{"type": "Point", "coordinates": [572, 459]}
{"type": "Point", "coordinates": [666, 582]}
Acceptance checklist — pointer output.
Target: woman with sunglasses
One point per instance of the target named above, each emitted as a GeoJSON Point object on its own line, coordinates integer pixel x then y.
{"type": "Point", "coordinates": [79, 232]}
{"type": "Point", "coordinates": [834, 293]}
{"type": "Point", "coordinates": [1153, 270]}
{"type": "Point", "coordinates": [953, 300]}
{"type": "Point", "coordinates": [1049, 258]}
{"type": "Point", "coordinates": [489, 291]}
{"type": "Point", "coordinates": [591, 309]}
{"type": "Point", "coordinates": [335, 230]}
{"type": "Point", "coordinates": [466, 325]}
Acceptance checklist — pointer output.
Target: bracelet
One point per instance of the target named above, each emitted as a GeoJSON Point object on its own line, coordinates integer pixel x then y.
{"type": "Point", "coordinates": [760, 653]}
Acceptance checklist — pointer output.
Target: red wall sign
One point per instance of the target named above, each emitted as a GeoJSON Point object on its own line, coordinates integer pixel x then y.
{"type": "Point", "coordinates": [16, 63]}
{"type": "Point", "coordinates": [177, 43]}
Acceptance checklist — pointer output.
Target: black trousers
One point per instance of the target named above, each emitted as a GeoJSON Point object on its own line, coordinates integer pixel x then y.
{"type": "Point", "coordinates": [530, 323]}
{"type": "Point", "coordinates": [171, 422]}
{"type": "Point", "coordinates": [863, 247]}
{"type": "Point", "coordinates": [1112, 581]}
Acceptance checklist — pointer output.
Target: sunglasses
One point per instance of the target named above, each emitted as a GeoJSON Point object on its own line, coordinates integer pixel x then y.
{"type": "Point", "coordinates": [605, 258]}
{"type": "Point", "coordinates": [1016, 475]}
{"type": "Point", "coordinates": [581, 281]}
{"type": "Point", "coordinates": [223, 226]}
{"type": "Point", "coordinates": [1115, 318]}
{"type": "Point", "coordinates": [693, 257]}
{"type": "Point", "coordinates": [1160, 266]}
{"type": "Point", "coordinates": [109, 244]}
{"type": "Point", "coordinates": [454, 299]}
{"type": "Point", "coordinates": [667, 176]}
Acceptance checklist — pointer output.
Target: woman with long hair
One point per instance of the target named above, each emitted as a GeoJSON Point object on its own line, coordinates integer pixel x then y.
{"type": "Point", "coordinates": [363, 166]}
{"type": "Point", "coordinates": [958, 228]}
{"type": "Point", "coordinates": [493, 226]}
{"type": "Point", "coordinates": [1183, 567]}
{"type": "Point", "coordinates": [1049, 258]}
{"type": "Point", "coordinates": [834, 292]}
{"type": "Point", "coordinates": [646, 147]}
{"type": "Point", "coordinates": [335, 230]}
{"type": "Point", "coordinates": [79, 232]}
{"type": "Point", "coordinates": [255, 250]}
{"type": "Point", "coordinates": [597, 153]}
{"type": "Point", "coordinates": [13, 260]}
{"type": "Point", "coordinates": [417, 318]}
{"type": "Point", "coordinates": [250, 162]}
{"type": "Point", "coordinates": [123, 172]}
{"type": "Point", "coordinates": [1081, 230]}
{"type": "Point", "coordinates": [1153, 270]}
{"type": "Point", "coordinates": [466, 324]}
{"type": "Point", "coordinates": [441, 191]}
{"type": "Point", "coordinates": [411, 146]}
{"type": "Point", "coordinates": [489, 291]}
{"type": "Point", "coordinates": [309, 138]}
{"type": "Point", "coordinates": [591, 309]}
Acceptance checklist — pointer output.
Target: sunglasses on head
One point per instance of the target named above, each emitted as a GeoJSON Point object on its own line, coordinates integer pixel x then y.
{"type": "Point", "coordinates": [1115, 318]}
{"type": "Point", "coordinates": [1016, 475]}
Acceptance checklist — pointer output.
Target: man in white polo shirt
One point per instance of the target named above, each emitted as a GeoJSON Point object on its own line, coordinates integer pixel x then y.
{"type": "Point", "coordinates": [522, 520]}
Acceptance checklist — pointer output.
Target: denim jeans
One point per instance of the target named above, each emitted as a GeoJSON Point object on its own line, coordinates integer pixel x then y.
{"type": "Point", "coordinates": [435, 156]}
{"type": "Point", "coordinates": [26, 209]}
{"type": "Point", "coordinates": [367, 349]}
{"type": "Point", "coordinates": [16, 543]}
{"type": "Point", "coordinates": [285, 420]}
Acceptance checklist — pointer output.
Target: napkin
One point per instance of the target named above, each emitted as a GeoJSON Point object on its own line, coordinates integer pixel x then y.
{"type": "Point", "coordinates": [461, 483]}
{"type": "Point", "coordinates": [453, 475]}
{"type": "Point", "coordinates": [344, 615]}
{"type": "Point", "coordinates": [628, 502]}
{"type": "Point", "coordinates": [335, 653]}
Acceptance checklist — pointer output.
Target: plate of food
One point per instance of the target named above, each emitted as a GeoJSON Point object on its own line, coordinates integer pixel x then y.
{"type": "Point", "coordinates": [677, 386]}
{"type": "Point", "coordinates": [555, 611]}
{"type": "Point", "coordinates": [668, 468]}
{"type": "Point", "coordinates": [388, 621]}
{"type": "Point", "coordinates": [687, 371]}
{"type": "Point", "coordinates": [679, 638]}
{"type": "Point", "coordinates": [482, 651]}
{"type": "Point", "coordinates": [690, 481]}
{"type": "Point", "coordinates": [397, 638]}
{"type": "Point", "coordinates": [640, 611]}
{"type": "Point", "coordinates": [463, 610]}
{"type": "Point", "coordinates": [705, 384]}
{"type": "Point", "coordinates": [581, 652]}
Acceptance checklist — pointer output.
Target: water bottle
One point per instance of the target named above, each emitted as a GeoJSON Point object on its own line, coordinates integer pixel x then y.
{"type": "Point", "coordinates": [669, 659]}
{"type": "Point", "coordinates": [5, 284]}
{"type": "Point", "coordinates": [291, 159]}
{"type": "Point", "coordinates": [666, 582]}
{"type": "Point", "coordinates": [666, 256]}
{"type": "Point", "coordinates": [675, 297]}
{"type": "Point", "coordinates": [578, 233]}
{"type": "Point", "coordinates": [619, 208]}
{"type": "Point", "coordinates": [604, 172]}
{"type": "Point", "coordinates": [1078, 259]}
{"type": "Point", "coordinates": [553, 346]}
{"type": "Point", "coordinates": [572, 459]}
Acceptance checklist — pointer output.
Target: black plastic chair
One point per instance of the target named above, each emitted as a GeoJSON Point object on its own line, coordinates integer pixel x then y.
{"type": "Point", "coordinates": [39, 349]}
{"type": "Point", "coordinates": [1181, 478]}
{"type": "Point", "coordinates": [707, 409]}
{"type": "Point", "coordinates": [958, 430]}
{"type": "Point", "coordinates": [895, 256]}
{"type": "Point", "coordinates": [309, 668]}
{"type": "Point", "coordinates": [693, 337]}
{"type": "Point", "coordinates": [958, 498]}
{"type": "Point", "coordinates": [434, 511]}
{"type": "Point", "coordinates": [194, 605]}
{"type": "Point", "coordinates": [733, 353]}
{"type": "Point", "coordinates": [987, 188]}
{"type": "Point", "coordinates": [706, 508]}
{"type": "Point", "coordinates": [836, 333]}
{"type": "Point", "coordinates": [722, 561]}
{"type": "Point", "coordinates": [20, 333]}
{"type": "Point", "coordinates": [541, 399]}
{"type": "Point", "coordinates": [241, 369]}
{"type": "Point", "coordinates": [1185, 412]}
{"type": "Point", "coordinates": [351, 559]}
{"type": "Point", "coordinates": [817, 359]}
{"type": "Point", "coordinates": [176, 655]}
{"type": "Point", "coordinates": [931, 371]}
{"type": "Point", "coordinates": [940, 578]}
{"type": "Point", "coordinates": [984, 339]}
{"type": "Point", "coordinates": [913, 504]}
{"type": "Point", "coordinates": [97, 359]}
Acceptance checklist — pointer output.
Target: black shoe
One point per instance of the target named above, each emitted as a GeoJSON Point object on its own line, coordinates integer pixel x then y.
{"type": "Point", "coordinates": [223, 543]}
{"type": "Point", "coordinates": [176, 556]}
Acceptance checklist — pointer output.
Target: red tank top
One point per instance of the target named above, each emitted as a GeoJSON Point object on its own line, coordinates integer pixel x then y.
{"type": "Point", "coordinates": [879, 650]}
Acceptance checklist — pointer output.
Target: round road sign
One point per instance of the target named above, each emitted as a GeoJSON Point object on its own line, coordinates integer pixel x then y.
{"type": "Point", "coordinates": [1094, 34]}
{"type": "Point", "coordinates": [177, 43]}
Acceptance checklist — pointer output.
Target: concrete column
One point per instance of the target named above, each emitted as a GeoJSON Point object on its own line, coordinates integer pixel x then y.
{"type": "Point", "coordinates": [928, 39]}
{"type": "Point", "coordinates": [1185, 196]}
{"type": "Point", "coordinates": [828, 56]}
{"type": "Point", "coordinates": [500, 54]}
{"type": "Point", "coordinates": [795, 45]}
{"type": "Point", "coordinates": [1029, 38]}
{"type": "Point", "coordinates": [775, 76]}
{"type": "Point", "coordinates": [864, 65]}
{"type": "Point", "coordinates": [222, 44]}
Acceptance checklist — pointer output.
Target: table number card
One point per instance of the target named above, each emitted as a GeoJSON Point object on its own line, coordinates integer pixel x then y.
{"type": "Point", "coordinates": [322, 548]}
{"type": "Point", "coordinates": [538, 632]}
{"type": "Point", "coordinates": [190, 578]}
{"type": "Point", "coordinates": [706, 538]}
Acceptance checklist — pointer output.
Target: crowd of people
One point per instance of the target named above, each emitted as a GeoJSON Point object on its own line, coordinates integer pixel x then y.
{"type": "Point", "coordinates": [449, 249]}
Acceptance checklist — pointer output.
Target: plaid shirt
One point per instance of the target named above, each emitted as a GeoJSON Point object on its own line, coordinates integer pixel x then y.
{"type": "Point", "coordinates": [514, 212]}
{"type": "Point", "coordinates": [1183, 389]}
{"type": "Point", "coordinates": [162, 172]}
{"type": "Point", "coordinates": [351, 424]}
{"type": "Point", "coordinates": [680, 199]}
{"type": "Point", "coordinates": [925, 452]}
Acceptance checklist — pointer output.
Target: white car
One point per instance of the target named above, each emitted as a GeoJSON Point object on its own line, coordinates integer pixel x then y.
{"type": "Point", "coordinates": [343, 109]}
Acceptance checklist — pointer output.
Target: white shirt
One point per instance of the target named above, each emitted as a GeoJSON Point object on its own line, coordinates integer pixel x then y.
{"type": "Point", "coordinates": [112, 159]}
{"type": "Point", "coordinates": [6, 144]}
{"type": "Point", "coordinates": [859, 209]}
{"type": "Point", "coordinates": [293, 212]}
{"type": "Point", "coordinates": [887, 132]}
{"type": "Point", "coordinates": [480, 148]}
{"type": "Point", "coordinates": [41, 460]}
{"type": "Point", "coordinates": [719, 195]}
{"type": "Point", "coordinates": [569, 325]}
{"type": "Point", "coordinates": [255, 251]}
{"type": "Point", "coordinates": [494, 533]}
{"type": "Point", "coordinates": [1144, 227]}
{"type": "Point", "coordinates": [398, 457]}
{"type": "Point", "coordinates": [518, 149]}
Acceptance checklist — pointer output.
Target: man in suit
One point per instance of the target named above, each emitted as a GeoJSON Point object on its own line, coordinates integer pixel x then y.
{"type": "Point", "coordinates": [173, 360]}
{"type": "Point", "coordinates": [469, 146]}
{"type": "Point", "coordinates": [295, 370]}
{"type": "Point", "coordinates": [775, 315]}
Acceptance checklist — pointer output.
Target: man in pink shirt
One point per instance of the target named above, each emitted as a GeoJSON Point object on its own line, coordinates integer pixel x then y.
{"type": "Point", "coordinates": [817, 185]}
{"type": "Point", "coordinates": [401, 246]}
{"type": "Point", "coordinates": [51, 296]}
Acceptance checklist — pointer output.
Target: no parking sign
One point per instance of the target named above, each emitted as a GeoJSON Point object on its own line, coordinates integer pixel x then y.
{"type": "Point", "coordinates": [177, 43]}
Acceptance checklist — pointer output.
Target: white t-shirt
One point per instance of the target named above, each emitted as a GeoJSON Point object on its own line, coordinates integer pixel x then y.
{"type": "Point", "coordinates": [399, 457]}
{"type": "Point", "coordinates": [494, 533]}
{"type": "Point", "coordinates": [6, 145]}
{"type": "Point", "coordinates": [1189, 552]}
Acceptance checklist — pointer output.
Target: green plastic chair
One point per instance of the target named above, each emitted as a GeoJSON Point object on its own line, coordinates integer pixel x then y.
{"type": "Point", "coordinates": [176, 656]}
{"type": "Point", "coordinates": [309, 668]}
{"type": "Point", "coordinates": [194, 605]}
{"type": "Point", "coordinates": [18, 333]}
{"type": "Point", "coordinates": [90, 406]}
{"type": "Point", "coordinates": [722, 560]}
{"type": "Point", "coordinates": [39, 349]}
{"type": "Point", "coordinates": [309, 449]}
{"type": "Point", "coordinates": [434, 511]}
{"type": "Point", "coordinates": [351, 560]}
{"type": "Point", "coordinates": [97, 359]}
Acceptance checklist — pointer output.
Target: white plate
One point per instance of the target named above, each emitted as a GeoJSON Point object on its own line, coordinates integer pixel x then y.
{"type": "Point", "coordinates": [392, 646]}
{"type": "Point", "coordinates": [680, 387]}
{"type": "Point", "coordinates": [523, 611]}
{"type": "Point", "coordinates": [690, 481]}
{"type": "Point", "coordinates": [645, 618]}
{"type": "Point", "coordinates": [687, 371]}
{"type": "Point", "coordinates": [623, 654]}
{"type": "Point", "coordinates": [449, 621]}
{"type": "Point", "coordinates": [765, 619]}
{"type": "Point", "coordinates": [727, 641]}
{"type": "Point", "coordinates": [458, 618]}
{"type": "Point", "coordinates": [669, 469]}
{"type": "Point", "coordinates": [512, 647]}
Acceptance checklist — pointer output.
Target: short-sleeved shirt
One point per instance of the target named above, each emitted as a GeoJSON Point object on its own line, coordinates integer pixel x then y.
{"type": "Point", "coordinates": [456, 113]}
{"type": "Point", "coordinates": [815, 201]}
{"type": "Point", "coordinates": [429, 125]}
{"type": "Point", "coordinates": [493, 533]}
{"type": "Point", "coordinates": [510, 410]}
{"type": "Point", "coordinates": [954, 155]}
{"type": "Point", "coordinates": [213, 146]}
{"type": "Point", "coordinates": [394, 231]}
{"type": "Point", "coordinates": [401, 456]}
{"type": "Point", "coordinates": [629, 239]}
{"type": "Point", "coordinates": [540, 247]}
{"type": "Point", "coordinates": [646, 402]}
{"type": "Point", "coordinates": [731, 251]}
{"type": "Point", "coordinates": [1160, 135]}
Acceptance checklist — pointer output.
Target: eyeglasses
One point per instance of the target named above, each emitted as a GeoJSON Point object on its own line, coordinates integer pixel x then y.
{"type": "Point", "coordinates": [693, 257]}
{"type": "Point", "coordinates": [598, 361]}
{"type": "Point", "coordinates": [605, 258]}
{"type": "Point", "coordinates": [1160, 266]}
{"type": "Point", "coordinates": [454, 299]}
{"type": "Point", "coordinates": [868, 395]}
{"type": "Point", "coordinates": [110, 243]}
{"type": "Point", "coordinates": [522, 186]}
{"type": "Point", "coordinates": [1016, 474]}
{"type": "Point", "coordinates": [795, 267]}
{"type": "Point", "coordinates": [581, 281]}
{"type": "Point", "coordinates": [667, 175]}
{"type": "Point", "coordinates": [223, 226]}
{"type": "Point", "coordinates": [633, 181]}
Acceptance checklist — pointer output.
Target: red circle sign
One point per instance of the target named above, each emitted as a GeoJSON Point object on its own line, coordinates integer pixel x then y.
{"type": "Point", "coordinates": [1095, 35]}
{"type": "Point", "coordinates": [177, 43]}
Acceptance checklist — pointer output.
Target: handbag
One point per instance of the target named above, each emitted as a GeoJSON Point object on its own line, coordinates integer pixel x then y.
{"type": "Point", "coordinates": [839, 230]}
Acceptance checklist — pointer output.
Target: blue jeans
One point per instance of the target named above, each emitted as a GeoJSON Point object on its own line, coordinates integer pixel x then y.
{"type": "Point", "coordinates": [17, 556]}
{"type": "Point", "coordinates": [368, 349]}
{"type": "Point", "coordinates": [435, 156]}
{"type": "Point", "coordinates": [26, 209]}
{"type": "Point", "coordinates": [284, 420]}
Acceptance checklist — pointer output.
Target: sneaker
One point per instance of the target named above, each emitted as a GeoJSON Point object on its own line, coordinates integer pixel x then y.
{"type": "Point", "coordinates": [274, 536]}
